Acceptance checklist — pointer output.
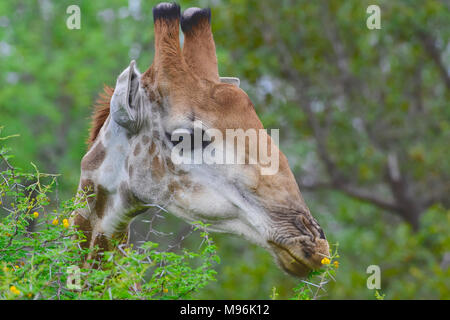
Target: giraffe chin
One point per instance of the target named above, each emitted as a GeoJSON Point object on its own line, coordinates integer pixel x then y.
{"type": "Point", "coordinates": [291, 264]}
{"type": "Point", "coordinates": [292, 261]}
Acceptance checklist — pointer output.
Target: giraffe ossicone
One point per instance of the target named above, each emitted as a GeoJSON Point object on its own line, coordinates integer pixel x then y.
{"type": "Point", "coordinates": [129, 164]}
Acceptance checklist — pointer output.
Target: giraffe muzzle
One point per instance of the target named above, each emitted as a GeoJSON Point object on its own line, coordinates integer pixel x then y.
{"type": "Point", "coordinates": [298, 257]}
{"type": "Point", "coordinates": [300, 245]}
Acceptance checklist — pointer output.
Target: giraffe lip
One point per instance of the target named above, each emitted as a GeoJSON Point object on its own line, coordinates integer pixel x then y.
{"type": "Point", "coordinates": [289, 262]}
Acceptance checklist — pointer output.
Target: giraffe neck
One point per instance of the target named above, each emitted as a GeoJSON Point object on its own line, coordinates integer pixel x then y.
{"type": "Point", "coordinates": [104, 173]}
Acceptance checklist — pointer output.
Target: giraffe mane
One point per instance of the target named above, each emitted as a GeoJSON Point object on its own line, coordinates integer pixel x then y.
{"type": "Point", "coordinates": [100, 114]}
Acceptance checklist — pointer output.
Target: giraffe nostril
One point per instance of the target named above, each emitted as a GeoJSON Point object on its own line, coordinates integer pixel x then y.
{"type": "Point", "coordinates": [322, 234]}
{"type": "Point", "coordinates": [302, 225]}
{"type": "Point", "coordinates": [306, 253]}
{"type": "Point", "coordinates": [309, 228]}
{"type": "Point", "coordinates": [174, 142]}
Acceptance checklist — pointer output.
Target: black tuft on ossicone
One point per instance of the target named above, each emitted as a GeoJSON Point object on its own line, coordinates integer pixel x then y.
{"type": "Point", "coordinates": [166, 11]}
{"type": "Point", "coordinates": [193, 16]}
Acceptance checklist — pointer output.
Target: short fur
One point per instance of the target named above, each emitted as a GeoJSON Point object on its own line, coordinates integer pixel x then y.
{"type": "Point", "coordinates": [199, 50]}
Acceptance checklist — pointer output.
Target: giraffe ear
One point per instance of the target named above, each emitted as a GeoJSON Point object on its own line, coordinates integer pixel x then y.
{"type": "Point", "coordinates": [231, 80]}
{"type": "Point", "coordinates": [127, 100]}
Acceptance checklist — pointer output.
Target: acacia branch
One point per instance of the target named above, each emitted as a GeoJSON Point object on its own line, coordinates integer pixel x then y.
{"type": "Point", "coordinates": [337, 178]}
{"type": "Point", "coordinates": [428, 43]}
{"type": "Point", "coordinates": [400, 202]}
{"type": "Point", "coordinates": [364, 195]}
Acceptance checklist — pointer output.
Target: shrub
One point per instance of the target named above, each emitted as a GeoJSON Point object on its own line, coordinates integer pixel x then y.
{"type": "Point", "coordinates": [46, 261]}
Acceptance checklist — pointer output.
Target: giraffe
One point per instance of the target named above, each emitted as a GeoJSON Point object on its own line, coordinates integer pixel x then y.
{"type": "Point", "coordinates": [128, 165]}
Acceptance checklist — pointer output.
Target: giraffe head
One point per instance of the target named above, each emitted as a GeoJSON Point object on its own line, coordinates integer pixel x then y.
{"type": "Point", "coordinates": [130, 165]}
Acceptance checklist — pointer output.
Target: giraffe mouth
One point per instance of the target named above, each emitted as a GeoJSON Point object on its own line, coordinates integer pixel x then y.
{"type": "Point", "coordinates": [290, 262]}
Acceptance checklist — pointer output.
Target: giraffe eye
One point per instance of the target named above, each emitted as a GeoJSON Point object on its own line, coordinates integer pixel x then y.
{"type": "Point", "coordinates": [173, 142]}
{"type": "Point", "coordinates": [207, 142]}
{"type": "Point", "coordinates": [180, 135]}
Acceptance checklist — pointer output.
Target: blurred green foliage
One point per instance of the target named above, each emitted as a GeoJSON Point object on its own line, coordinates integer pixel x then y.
{"type": "Point", "coordinates": [347, 99]}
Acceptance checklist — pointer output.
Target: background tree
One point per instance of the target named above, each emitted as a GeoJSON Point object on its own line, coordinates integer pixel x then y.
{"type": "Point", "coordinates": [363, 115]}
{"type": "Point", "coordinates": [371, 102]}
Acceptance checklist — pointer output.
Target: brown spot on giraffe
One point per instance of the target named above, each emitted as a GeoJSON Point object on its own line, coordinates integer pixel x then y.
{"type": "Point", "coordinates": [94, 158]}
{"type": "Point", "coordinates": [170, 164]}
{"type": "Point", "coordinates": [157, 168]}
{"type": "Point", "coordinates": [173, 187]}
{"type": "Point", "coordinates": [102, 242]}
{"type": "Point", "coordinates": [137, 149]}
{"type": "Point", "coordinates": [100, 200]}
{"type": "Point", "coordinates": [99, 244]}
{"type": "Point", "coordinates": [85, 226]}
{"type": "Point", "coordinates": [87, 185]}
{"type": "Point", "coordinates": [151, 149]}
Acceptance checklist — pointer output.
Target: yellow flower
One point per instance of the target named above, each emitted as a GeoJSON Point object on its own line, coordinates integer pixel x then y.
{"type": "Point", "coordinates": [325, 261]}
{"type": "Point", "coordinates": [35, 214]}
{"type": "Point", "coordinates": [336, 264]}
{"type": "Point", "coordinates": [66, 223]}
{"type": "Point", "coordinates": [165, 290]}
{"type": "Point", "coordinates": [55, 221]}
{"type": "Point", "coordinates": [16, 266]}
{"type": "Point", "coordinates": [14, 290]}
